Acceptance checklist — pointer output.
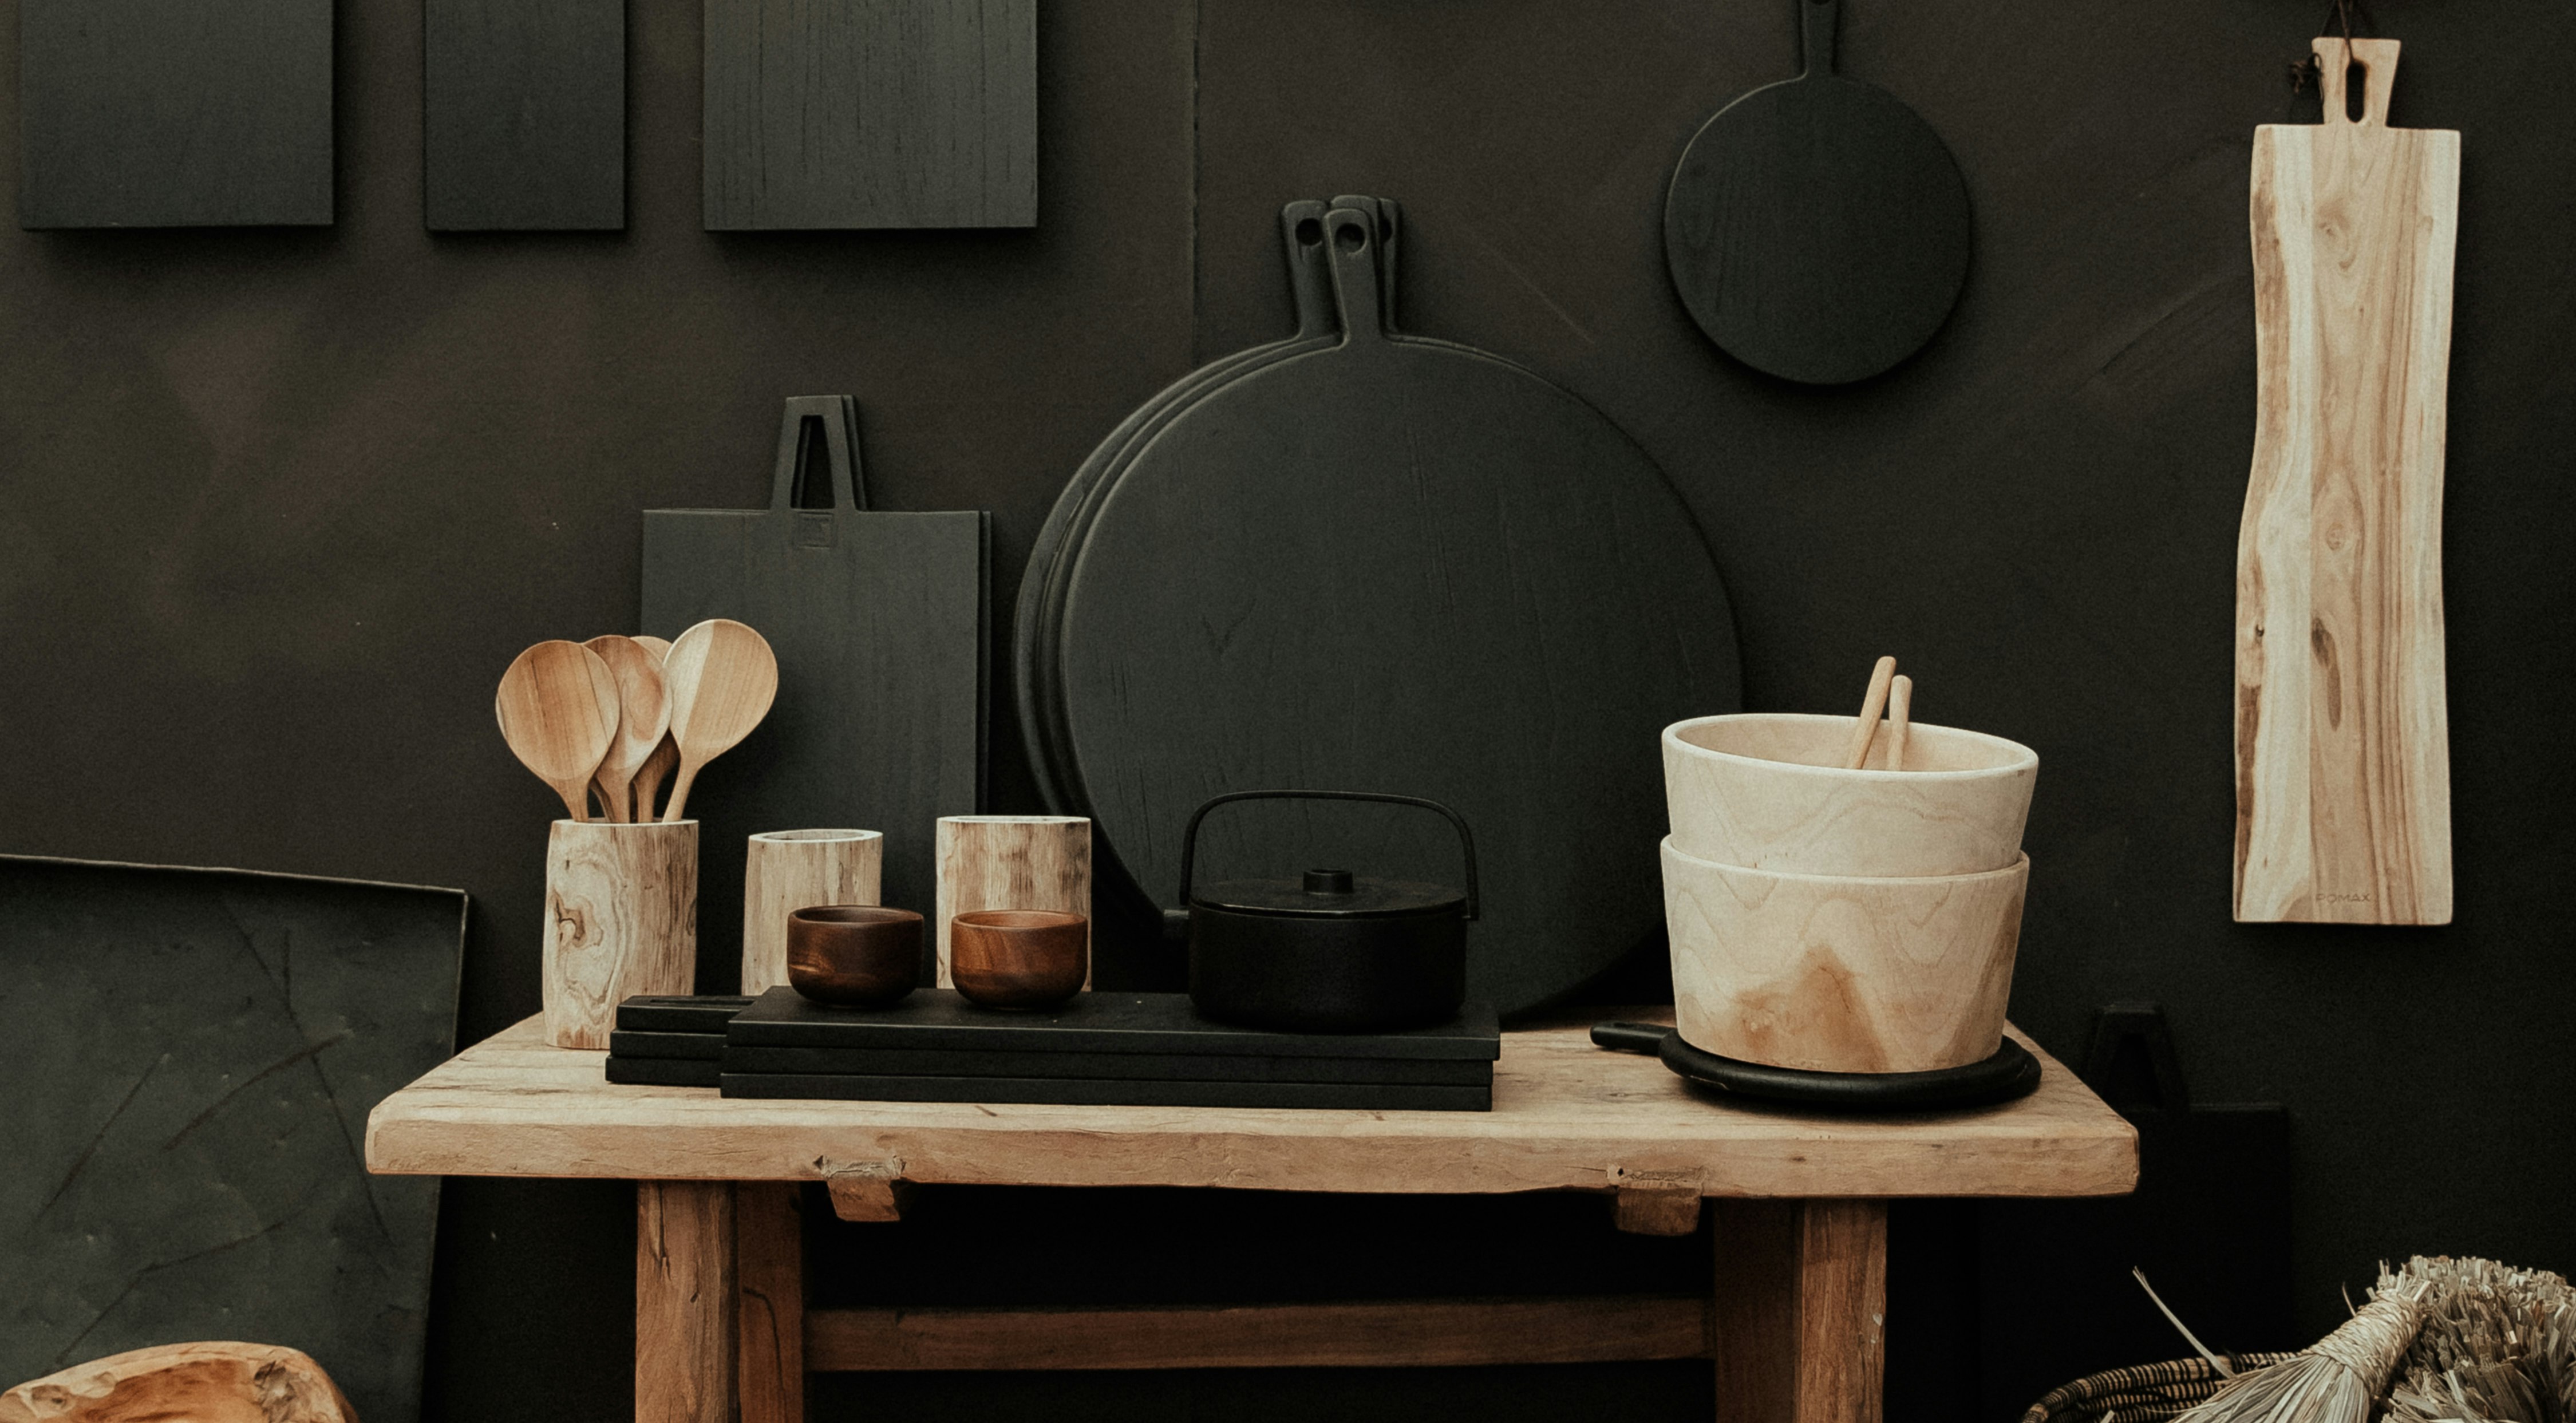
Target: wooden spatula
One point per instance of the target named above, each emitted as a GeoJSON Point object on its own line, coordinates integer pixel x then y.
{"type": "Point", "coordinates": [722, 677]}
{"type": "Point", "coordinates": [644, 720]}
{"type": "Point", "coordinates": [558, 709]}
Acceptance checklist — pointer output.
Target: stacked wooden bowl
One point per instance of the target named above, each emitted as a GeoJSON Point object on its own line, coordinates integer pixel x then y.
{"type": "Point", "coordinates": [1837, 920]}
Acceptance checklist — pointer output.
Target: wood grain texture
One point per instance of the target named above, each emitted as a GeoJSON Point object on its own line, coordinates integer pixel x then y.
{"type": "Point", "coordinates": [2343, 795]}
{"type": "Point", "coordinates": [1840, 973]}
{"type": "Point", "coordinates": [523, 115]}
{"type": "Point", "coordinates": [621, 919]}
{"type": "Point", "coordinates": [1376, 1334]}
{"type": "Point", "coordinates": [684, 1302]}
{"type": "Point", "coordinates": [1010, 862]}
{"type": "Point", "coordinates": [200, 1383]}
{"type": "Point", "coordinates": [1766, 790]}
{"type": "Point", "coordinates": [1564, 1113]}
{"type": "Point", "coordinates": [1798, 1319]}
{"type": "Point", "coordinates": [174, 113]}
{"type": "Point", "coordinates": [871, 113]}
{"type": "Point", "coordinates": [559, 710]}
{"type": "Point", "coordinates": [788, 870]}
{"type": "Point", "coordinates": [721, 676]}
{"type": "Point", "coordinates": [643, 722]}
{"type": "Point", "coordinates": [769, 1313]}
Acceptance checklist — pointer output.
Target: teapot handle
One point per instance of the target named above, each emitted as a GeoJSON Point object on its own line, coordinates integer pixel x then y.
{"type": "Point", "coordinates": [1190, 841]}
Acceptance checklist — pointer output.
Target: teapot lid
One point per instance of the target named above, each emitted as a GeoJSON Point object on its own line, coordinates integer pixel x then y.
{"type": "Point", "coordinates": [1330, 894]}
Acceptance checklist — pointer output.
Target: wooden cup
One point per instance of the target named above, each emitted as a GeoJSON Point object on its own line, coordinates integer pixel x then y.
{"type": "Point", "coordinates": [1767, 791]}
{"type": "Point", "coordinates": [1019, 958]}
{"type": "Point", "coordinates": [1842, 973]}
{"type": "Point", "coordinates": [621, 919]}
{"type": "Point", "coordinates": [1012, 862]}
{"type": "Point", "coordinates": [786, 870]}
{"type": "Point", "coordinates": [853, 955]}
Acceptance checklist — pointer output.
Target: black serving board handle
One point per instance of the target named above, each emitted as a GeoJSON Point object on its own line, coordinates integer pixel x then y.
{"type": "Point", "coordinates": [1817, 22]}
{"type": "Point", "coordinates": [1647, 1038]}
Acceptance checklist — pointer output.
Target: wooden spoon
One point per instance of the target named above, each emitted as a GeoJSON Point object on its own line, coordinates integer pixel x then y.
{"type": "Point", "coordinates": [644, 719]}
{"type": "Point", "coordinates": [722, 677]}
{"type": "Point", "coordinates": [657, 767]}
{"type": "Point", "coordinates": [1900, 714]}
{"type": "Point", "coordinates": [1870, 708]}
{"type": "Point", "coordinates": [558, 709]}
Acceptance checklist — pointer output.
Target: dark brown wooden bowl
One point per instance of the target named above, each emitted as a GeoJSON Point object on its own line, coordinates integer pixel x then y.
{"type": "Point", "coordinates": [1018, 958]}
{"type": "Point", "coordinates": [854, 955]}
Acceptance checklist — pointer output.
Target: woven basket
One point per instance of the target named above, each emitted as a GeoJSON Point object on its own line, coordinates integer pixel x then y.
{"type": "Point", "coordinates": [2148, 1393]}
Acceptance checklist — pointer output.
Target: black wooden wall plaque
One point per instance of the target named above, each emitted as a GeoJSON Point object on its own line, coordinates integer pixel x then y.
{"type": "Point", "coordinates": [871, 113]}
{"type": "Point", "coordinates": [174, 113]}
{"type": "Point", "coordinates": [523, 115]}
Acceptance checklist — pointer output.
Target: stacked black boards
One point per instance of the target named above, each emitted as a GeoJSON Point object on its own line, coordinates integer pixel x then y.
{"type": "Point", "coordinates": [1101, 1049]}
{"type": "Point", "coordinates": [674, 1041]}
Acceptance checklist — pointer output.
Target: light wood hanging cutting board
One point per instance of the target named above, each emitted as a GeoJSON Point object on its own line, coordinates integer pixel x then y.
{"type": "Point", "coordinates": [2343, 788]}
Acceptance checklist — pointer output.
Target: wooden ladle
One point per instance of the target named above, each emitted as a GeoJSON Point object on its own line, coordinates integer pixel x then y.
{"type": "Point", "coordinates": [657, 767]}
{"type": "Point", "coordinates": [722, 677]}
{"type": "Point", "coordinates": [558, 709]}
{"type": "Point", "coordinates": [644, 720]}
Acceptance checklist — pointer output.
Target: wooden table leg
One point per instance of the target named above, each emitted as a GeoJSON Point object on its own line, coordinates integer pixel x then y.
{"type": "Point", "coordinates": [684, 1302]}
{"type": "Point", "coordinates": [769, 1231]}
{"type": "Point", "coordinates": [1798, 1322]}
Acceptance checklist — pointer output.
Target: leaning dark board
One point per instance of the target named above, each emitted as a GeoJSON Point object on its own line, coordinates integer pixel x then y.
{"type": "Point", "coordinates": [880, 625]}
{"type": "Point", "coordinates": [1088, 1022]}
{"type": "Point", "coordinates": [1042, 584]}
{"type": "Point", "coordinates": [1402, 565]}
{"type": "Point", "coordinates": [192, 1056]}
{"type": "Point", "coordinates": [523, 115]}
{"type": "Point", "coordinates": [1153, 1066]}
{"type": "Point", "coordinates": [1076, 1091]}
{"type": "Point", "coordinates": [174, 113]}
{"type": "Point", "coordinates": [892, 113]}
{"type": "Point", "coordinates": [1818, 228]}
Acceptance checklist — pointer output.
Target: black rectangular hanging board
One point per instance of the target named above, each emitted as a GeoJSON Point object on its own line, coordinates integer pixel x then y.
{"type": "Point", "coordinates": [940, 1020]}
{"type": "Point", "coordinates": [174, 113]}
{"type": "Point", "coordinates": [523, 115]}
{"type": "Point", "coordinates": [1094, 1092]}
{"type": "Point", "coordinates": [1134, 1066]}
{"type": "Point", "coordinates": [881, 626]}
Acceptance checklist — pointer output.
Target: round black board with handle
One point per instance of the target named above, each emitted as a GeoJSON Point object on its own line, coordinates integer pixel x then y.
{"type": "Point", "coordinates": [1389, 563]}
{"type": "Point", "coordinates": [1818, 228]}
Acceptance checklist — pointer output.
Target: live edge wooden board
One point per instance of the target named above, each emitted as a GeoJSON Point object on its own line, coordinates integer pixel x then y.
{"type": "Point", "coordinates": [2343, 785]}
{"type": "Point", "coordinates": [1567, 1116]}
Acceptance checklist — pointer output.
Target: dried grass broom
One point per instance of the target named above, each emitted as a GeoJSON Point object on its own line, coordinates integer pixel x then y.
{"type": "Point", "coordinates": [2335, 1380]}
{"type": "Point", "coordinates": [2497, 1344]}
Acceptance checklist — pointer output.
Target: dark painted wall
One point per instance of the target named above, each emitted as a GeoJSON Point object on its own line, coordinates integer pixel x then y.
{"type": "Point", "coordinates": [277, 507]}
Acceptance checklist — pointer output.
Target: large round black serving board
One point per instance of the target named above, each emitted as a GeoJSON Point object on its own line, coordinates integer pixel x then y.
{"type": "Point", "coordinates": [1396, 565]}
{"type": "Point", "coordinates": [2010, 1074]}
{"type": "Point", "coordinates": [1817, 228]}
{"type": "Point", "coordinates": [1310, 280]}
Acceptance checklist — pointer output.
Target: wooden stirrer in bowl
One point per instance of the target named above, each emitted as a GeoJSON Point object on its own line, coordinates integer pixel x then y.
{"type": "Point", "coordinates": [1900, 714]}
{"type": "Point", "coordinates": [1880, 678]}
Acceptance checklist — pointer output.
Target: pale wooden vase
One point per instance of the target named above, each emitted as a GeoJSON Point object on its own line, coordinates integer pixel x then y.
{"type": "Point", "coordinates": [621, 919]}
{"type": "Point", "coordinates": [788, 870]}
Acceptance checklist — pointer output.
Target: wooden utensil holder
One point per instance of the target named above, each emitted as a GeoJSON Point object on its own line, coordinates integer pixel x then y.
{"type": "Point", "coordinates": [1012, 862]}
{"type": "Point", "coordinates": [788, 870]}
{"type": "Point", "coordinates": [621, 919]}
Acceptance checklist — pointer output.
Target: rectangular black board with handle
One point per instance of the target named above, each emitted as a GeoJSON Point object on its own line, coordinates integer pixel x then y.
{"type": "Point", "coordinates": [881, 625]}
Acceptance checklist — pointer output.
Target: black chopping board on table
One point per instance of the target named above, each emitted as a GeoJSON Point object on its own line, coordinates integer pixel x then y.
{"type": "Point", "coordinates": [1817, 228]}
{"type": "Point", "coordinates": [881, 626]}
{"type": "Point", "coordinates": [1396, 564]}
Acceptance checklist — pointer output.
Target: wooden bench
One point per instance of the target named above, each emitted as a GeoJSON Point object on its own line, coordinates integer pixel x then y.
{"type": "Point", "coordinates": [1793, 1324]}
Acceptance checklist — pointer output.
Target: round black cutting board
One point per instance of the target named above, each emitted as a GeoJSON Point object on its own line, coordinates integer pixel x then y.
{"type": "Point", "coordinates": [1818, 228]}
{"type": "Point", "coordinates": [1301, 232]}
{"type": "Point", "coordinates": [1397, 565]}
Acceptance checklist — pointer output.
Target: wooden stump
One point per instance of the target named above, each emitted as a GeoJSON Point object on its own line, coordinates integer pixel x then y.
{"type": "Point", "coordinates": [621, 919]}
{"type": "Point", "coordinates": [788, 870]}
{"type": "Point", "coordinates": [203, 1383]}
{"type": "Point", "coordinates": [1011, 862]}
